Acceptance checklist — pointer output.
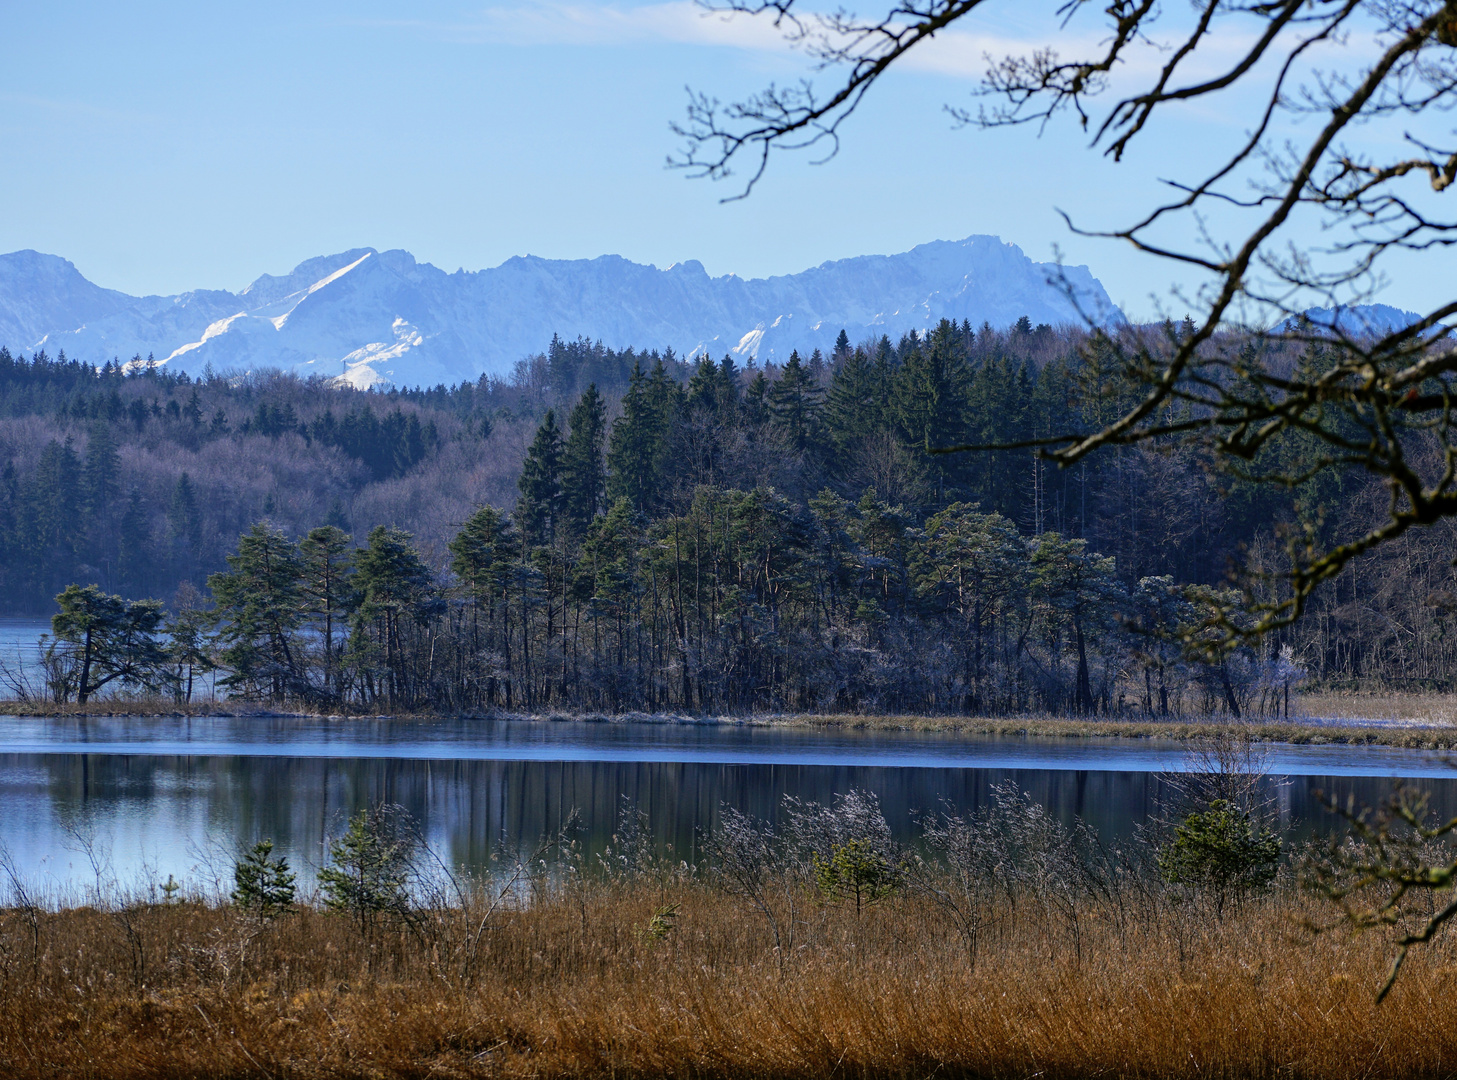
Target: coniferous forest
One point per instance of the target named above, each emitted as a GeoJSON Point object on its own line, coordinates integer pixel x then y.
{"type": "Point", "coordinates": [634, 531]}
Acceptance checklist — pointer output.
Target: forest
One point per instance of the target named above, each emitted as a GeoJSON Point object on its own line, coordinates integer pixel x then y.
{"type": "Point", "coordinates": [633, 530]}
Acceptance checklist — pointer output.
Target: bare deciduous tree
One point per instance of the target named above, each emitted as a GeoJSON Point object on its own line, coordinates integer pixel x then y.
{"type": "Point", "coordinates": [1343, 103]}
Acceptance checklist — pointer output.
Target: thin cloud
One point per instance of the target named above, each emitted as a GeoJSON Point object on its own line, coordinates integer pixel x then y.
{"type": "Point", "coordinates": [683, 22]}
{"type": "Point", "coordinates": [958, 54]}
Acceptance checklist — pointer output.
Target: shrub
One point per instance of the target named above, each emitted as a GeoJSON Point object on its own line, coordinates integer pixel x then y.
{"type": "Point", "coordinates": [1221, 851]}
{"type": "Point", "coordinates": [264, 884]}
{"type": "Point", "coordinates": [855, 870]}
{"type": "Point", "coordinates": [371, 866]}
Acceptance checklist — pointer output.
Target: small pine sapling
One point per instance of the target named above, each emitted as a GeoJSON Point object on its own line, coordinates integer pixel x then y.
{"type": "Point", "coordinates": [264, 884]}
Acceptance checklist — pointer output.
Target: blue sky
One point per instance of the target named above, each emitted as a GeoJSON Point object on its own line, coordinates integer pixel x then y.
{"type": "Point", "coordinates": [166, 146]}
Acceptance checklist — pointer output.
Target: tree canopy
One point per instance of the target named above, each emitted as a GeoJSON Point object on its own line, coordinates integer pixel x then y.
{"type": "Point", "coordinates": [1343, 105]}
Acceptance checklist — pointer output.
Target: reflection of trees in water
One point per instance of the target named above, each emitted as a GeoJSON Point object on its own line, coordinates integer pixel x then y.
{"type": "Point", "coordinates": [470, 807]}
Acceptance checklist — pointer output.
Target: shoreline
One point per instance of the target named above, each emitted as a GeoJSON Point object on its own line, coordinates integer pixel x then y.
{"type": "Point", "coordinates": [1412, 734]}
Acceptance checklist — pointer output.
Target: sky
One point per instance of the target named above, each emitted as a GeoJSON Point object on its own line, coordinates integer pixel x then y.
{"type": "Point", "coordinates": [171, 146]}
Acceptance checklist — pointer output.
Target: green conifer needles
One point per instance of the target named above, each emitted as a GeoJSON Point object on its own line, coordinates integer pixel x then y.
{"type": "Point", "coordinates": [264, 885]}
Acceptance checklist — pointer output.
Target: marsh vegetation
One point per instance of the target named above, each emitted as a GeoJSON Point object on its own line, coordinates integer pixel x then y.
{"type": "Point", "coordinates": [1002, 942]}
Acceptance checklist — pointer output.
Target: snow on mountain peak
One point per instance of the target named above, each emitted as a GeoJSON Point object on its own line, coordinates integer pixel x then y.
{"type": "Point", "coordinates": [365, 317]}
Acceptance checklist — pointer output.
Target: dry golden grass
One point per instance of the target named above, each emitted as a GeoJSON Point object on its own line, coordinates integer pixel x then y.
{"type": "Point", "coordinates": [573, 987]}
{"type": "Point", "coordinates": [1423, 708]}
{"type": "Point", "coordinates": [1413, 721]}
{"type": "Point", "coordinates": [1292, 731]}
{"type": "Point", "coordinates": [139, 706]}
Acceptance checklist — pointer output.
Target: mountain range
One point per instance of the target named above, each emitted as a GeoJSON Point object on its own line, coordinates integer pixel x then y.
{"type": "Point", "coordinates": [367, 317]}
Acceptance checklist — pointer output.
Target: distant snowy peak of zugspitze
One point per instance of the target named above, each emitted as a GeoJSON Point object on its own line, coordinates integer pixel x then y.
{"type": "Point", "coordinates": [367, 317]}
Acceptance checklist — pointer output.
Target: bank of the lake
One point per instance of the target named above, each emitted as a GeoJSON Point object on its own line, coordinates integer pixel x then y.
{"type": "Point", "coordinates": [1401, 732]}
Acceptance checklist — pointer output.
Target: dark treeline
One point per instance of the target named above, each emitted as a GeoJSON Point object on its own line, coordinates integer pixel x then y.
{"type": "Point", "coordinates": [659, 533]}
{"type": "Point", "coordinates": [138, 478]}
{"type": "Point", "coordinates": [746, 602]}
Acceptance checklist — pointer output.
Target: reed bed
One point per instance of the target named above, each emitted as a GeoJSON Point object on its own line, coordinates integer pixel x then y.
{"type": "Point", "coordinates": [595, 980]}
{"type": "Point", "coordinates": [1415, 735]}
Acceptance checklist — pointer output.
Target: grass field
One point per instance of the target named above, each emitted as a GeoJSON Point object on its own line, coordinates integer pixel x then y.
{"type": "Point", "coordinates": [585, 983]}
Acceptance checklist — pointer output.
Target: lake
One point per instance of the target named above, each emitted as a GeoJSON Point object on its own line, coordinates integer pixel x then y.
{"type": "Point", "coordinates": [20, 656]}
{"type": "Point", "coordinates": [154, 797]}
{"type": "Point", "coordinates": [20, 651]}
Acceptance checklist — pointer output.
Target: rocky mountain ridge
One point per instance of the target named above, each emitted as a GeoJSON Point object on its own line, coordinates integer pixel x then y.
{"type": "Point", "coordinates": [368, 317]}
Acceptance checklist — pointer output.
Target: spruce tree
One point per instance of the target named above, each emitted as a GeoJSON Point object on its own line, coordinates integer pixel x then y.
{"type": "Point", "coordinates": [929, 401]}
{"type": "Point", "coordinates": [703, 387]}
{"type": "Point", "coordinates": [134, 545]}
{"type": "Point", "coordinates": [728, 381]}
{"type": "Point", "coordinates": [855, 403]}
{"type": "Point", "coordinates": [101, 470]}
{"type": "Point", "coordinates": [794, 405]}
{"type": "Point", "coordinates": [756, 399]}
{"type": "Point", "coordinates": [584, 477]}
{"type": "Point", "coordinates": [55, 504]}
{"type": "Point", "coordinates": [539, 508]}
{"type": "Point", "coordinates": [183, 515]}
{"type": "Point", "coordinates": [635, 446]}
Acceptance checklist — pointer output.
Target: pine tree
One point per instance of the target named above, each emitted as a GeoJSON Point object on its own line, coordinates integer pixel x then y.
{"type": "Point", "coordinates": [584, 477]}
{"type": "Point", "coordinates": [395, 589]}
{"type": "Point", "coordinates": [483, 555]}
{"type": "Point", "coordinates": [480, 551]}
{"type": "Point", "coordinates": [326, 568]}
{"type": "Point", "coordinates": [189, 646]}
{"type": "Point", "coordinates": [259, 609]}
{"type": "Point", "coordinates": [538, 510]}
{"type": "Point", "coordinates": [109, 638]}
{"type": "Point", "coordinates": [370, 867]}
{"type": "Point", "coordinates": [264, 884]}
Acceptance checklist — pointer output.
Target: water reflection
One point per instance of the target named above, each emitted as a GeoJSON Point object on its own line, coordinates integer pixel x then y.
{"type": "Point", "coordinates": [457, 738]}
{"type": "Point", "coordinates": [155, 812]}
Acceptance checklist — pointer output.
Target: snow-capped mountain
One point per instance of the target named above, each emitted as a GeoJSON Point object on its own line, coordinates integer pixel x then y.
{"type": "Point", "coordinates": [1360, 320]}
{"type": "Point", "coordinates": [367, 317]}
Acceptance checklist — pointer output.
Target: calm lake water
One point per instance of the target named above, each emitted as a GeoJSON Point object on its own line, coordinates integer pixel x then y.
{"type": "Point", "coordinates": [19, 649]}
{"type": "Point", "coordinates": [20, 658]}
{"type": "Point", "coordinates": [167, 796]}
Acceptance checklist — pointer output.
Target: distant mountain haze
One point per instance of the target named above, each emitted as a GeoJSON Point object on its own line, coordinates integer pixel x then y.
{"type": "Point", "coordinates": [366, 317]}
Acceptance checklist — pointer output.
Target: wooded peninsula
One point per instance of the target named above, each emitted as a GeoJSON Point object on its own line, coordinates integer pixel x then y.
{"type": "Point", "coordinates": [631, 531]}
